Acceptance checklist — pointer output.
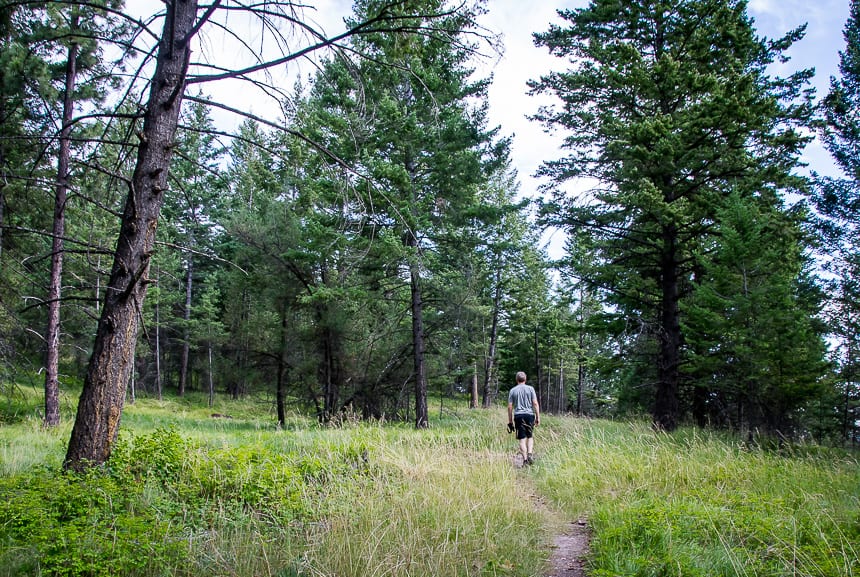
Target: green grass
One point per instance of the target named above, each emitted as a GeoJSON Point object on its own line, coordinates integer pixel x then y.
{"type": "Point", "coordinates": [691, 503]}
{"type": "Point", "coordinates": [188, 494]}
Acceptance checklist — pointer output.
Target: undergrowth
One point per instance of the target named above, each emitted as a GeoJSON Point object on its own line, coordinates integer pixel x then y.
{"type": "Point", "coordinates": [193, 491]}
{"type": "Point", "coordinates": [695, 504]}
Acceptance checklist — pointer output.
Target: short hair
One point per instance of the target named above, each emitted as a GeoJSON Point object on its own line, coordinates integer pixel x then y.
{"type": "Point", "coordinates": [521, 377]}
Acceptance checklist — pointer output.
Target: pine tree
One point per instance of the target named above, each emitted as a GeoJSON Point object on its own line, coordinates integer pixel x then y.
{"type": "Point", "coordinates": [668, 108]}
{"type": "Point", "coordinates": [756, 348]}
{"type": "Point", "coordinates": [838, 203]}
{"type": "Point", "coordinates": [420, 141]}
{"type": "Point", "coordinates": [83, 81]}
{"type": "Point", "coordinates": [192, 213]}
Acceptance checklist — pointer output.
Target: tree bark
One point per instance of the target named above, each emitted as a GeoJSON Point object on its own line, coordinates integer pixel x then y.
{"type": "Point", "coordinates": [666, 401]}
{"type": "Point", "coordinates": [52, 334]}
{"type": "Point", "coordinates": [100, 407]}
{"type": "Point", "coordinates": [473, 388]}
{"type": "Point", "coordinates": [211, 380]}
{"type": "Point", "coordinates": [158, 377]}
{"type": "Point", "coordinates": [330, 369]}
{"type": "Point", "coordinates": [422, 417]}
{"type": "Point", "coordinates": [186, 341]}
{"type": "Point", "coordinates": [490, 362]}
{"type": "Point", "coordinates": [331, 343]}
{"type": "Point", "coordinates": [281, 386]}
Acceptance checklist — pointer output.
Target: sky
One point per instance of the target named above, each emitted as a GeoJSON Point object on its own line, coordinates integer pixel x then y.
{"type": "Point", "coordinates": [516, 21]}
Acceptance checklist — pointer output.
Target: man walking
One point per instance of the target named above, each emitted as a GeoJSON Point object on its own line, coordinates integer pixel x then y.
{"type": "Point", "coordinates": [524, 416]}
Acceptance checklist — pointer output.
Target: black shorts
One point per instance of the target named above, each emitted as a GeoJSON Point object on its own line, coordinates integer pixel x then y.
{"type": "Point", "coordinates": [525, 424]}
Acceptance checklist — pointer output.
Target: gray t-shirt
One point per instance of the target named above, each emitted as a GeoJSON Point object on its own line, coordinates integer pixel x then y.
{"type": "Point", "coordinates": [522, 396]}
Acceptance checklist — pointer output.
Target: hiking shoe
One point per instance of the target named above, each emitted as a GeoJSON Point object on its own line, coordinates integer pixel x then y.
{"type": "Point", "coordinates": [530, 459]}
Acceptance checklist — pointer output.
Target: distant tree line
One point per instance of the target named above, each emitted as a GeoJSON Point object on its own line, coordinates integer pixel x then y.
{"type": "Point", "coordinates": [369, 249]}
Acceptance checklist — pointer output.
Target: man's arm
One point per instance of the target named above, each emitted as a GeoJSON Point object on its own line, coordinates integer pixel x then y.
{"type": "Point", "coordinates": [536, 408]}
{"type": "Point", "coordinates": [510, 412]}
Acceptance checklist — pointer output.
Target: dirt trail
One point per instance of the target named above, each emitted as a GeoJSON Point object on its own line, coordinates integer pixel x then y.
{"type": "Point", "coordinates": [570, 546]}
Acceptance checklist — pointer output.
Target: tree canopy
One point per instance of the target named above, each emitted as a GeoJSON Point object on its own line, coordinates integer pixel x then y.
{"type": "Point", "coordinates": [368, 251]}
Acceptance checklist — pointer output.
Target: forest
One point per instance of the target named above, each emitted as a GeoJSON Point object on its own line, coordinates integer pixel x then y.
{"type": "Point", "coordinates": [368, 253]}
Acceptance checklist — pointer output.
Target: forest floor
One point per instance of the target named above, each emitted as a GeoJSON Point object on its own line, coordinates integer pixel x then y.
{"type": "Point", "coordinates": [570, 546]}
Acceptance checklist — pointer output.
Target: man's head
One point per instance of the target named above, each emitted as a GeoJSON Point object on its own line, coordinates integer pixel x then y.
{"type": "Point", "coordinates": [521, 377]}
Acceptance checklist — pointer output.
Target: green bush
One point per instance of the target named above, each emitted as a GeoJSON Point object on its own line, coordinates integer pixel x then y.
{"type": "Point", "coordinates": [159, 456]}
{"type": "Point", "coordinates": [69, 525]}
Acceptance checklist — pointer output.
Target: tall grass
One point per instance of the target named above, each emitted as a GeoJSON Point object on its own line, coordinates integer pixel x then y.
{"type": "Point", "coordinates": [691, 503]}
{"type": "Point", "coordinates": [188, 494]}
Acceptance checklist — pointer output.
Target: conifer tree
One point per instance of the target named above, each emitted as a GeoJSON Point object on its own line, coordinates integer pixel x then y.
{"type": "Point", "coordinates": [194, 210]}
{"type": "Point", "coordinates": [667, 108]}
{"type": "Point", "coordinates": [838, 203]}
{"type": "Point", "coordinates": [420, 138]}
{"type": "Point", "coordinates": [756, 352]}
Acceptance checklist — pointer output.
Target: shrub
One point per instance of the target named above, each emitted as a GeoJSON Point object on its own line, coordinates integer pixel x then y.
{"type": "Point", "coordinates": [71, 525]}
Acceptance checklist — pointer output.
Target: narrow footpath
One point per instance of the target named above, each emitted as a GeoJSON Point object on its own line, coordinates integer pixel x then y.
{"type": "Point", "coordinates": [570, 546]}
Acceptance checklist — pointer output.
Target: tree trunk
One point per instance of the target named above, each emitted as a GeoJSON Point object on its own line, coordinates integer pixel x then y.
{"type": "Point", "coordinates": [281, 388]}
{"type": "Point", "coordinates": [422, 417]}
{"type": "Point", "coordinates": [537, 379]}
{"type": "Point", "coordinates": [490, 362]}
{"type": "Point", "coordinates": [580, 357]}
{"type": "Point", "coordinates": [562, 401]}
{"type": "Point", "coordinates": [100, 407]}
{"type": "Point", "coordinates": [186, 338]}
{"type": "Point", "coordinates": [52, 334]}
{"type": "Point", "coordinates": [580, 384]}
{"type": "Point", "coordinates": [132, 388]}
{"type": "Point", "coordinates": [331, 368]}
{"type": "Point", "coordinates": [211, 380]}
{"type": "Point", "coordinates": [473, 399]}
{"type": "Point", "coordinates": [666, 401]}
{"type": "Point", "coordinates": [158, 379]}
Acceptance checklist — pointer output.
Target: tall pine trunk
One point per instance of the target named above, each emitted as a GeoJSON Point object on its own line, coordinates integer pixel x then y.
{"type": "Point", "coordinates": [489, 392]}
{"type": "Point", "coordinates": [473, 388]}
{"type": "Point", "coordinates": [331, 344]}
{"type": "Point", "coordinates": [158, 376]}
{"type": "Point", "coordinates": [281, 384]}
{"type": "Point", "coordinates": [422, 417]}
{"type": "Point", "coordinates": [331, 374]}
{"type": "Point", "coordinates": [100, 407]}
{"type": "Point", "coordinates": [52, 334]}
{"type": "Point", "coordinates": [666, 401]}
{"type": "Point", "coordinates": [186, 337]}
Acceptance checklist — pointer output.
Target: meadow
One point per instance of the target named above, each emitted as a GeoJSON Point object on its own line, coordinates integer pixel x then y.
{"type": "Point", "coordinates": [189, 494]}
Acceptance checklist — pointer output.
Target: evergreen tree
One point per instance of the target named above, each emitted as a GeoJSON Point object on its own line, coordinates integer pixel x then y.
{"type": "Point", "coordinates": [756, 350]}
{"type": "Point", "coordinates": [79, 30]}
{"type": "Point", "coordinates": [193, 213]}
{"type": "Point", "coordinates": [838, 203]}
{"type": "Point", "coordinates": [419, 136]}
{"type": "Point", "coordinates": [668, 109]}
